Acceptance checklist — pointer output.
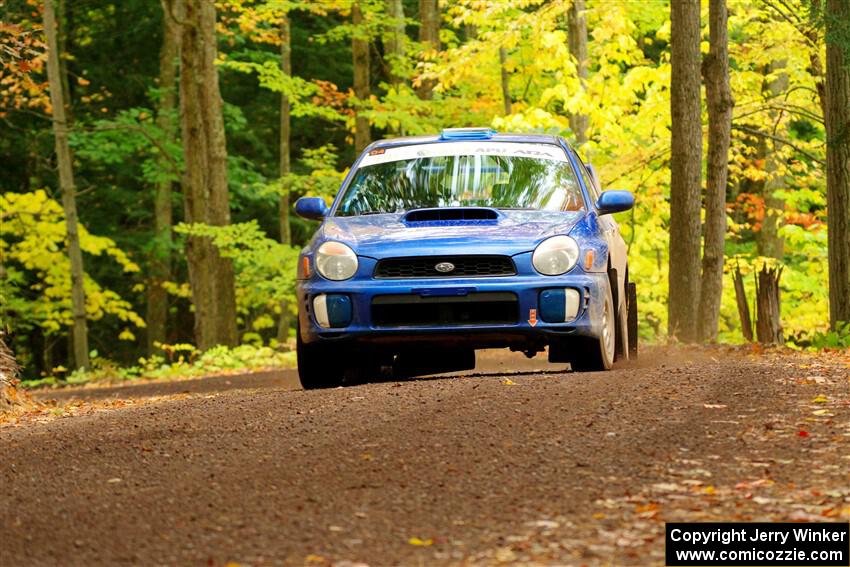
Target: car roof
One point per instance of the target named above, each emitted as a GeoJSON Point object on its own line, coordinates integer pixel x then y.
{"type": "Point", "coordinates": [437, 139]}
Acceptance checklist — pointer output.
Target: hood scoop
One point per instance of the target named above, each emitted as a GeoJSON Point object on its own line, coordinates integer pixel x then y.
{"type": "Point", "coordinates": [451, 216]}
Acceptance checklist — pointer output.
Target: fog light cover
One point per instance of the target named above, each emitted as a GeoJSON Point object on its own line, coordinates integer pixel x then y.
{"type": "Point", "coordinates": [332, 310]}
{"type": "Point", "coordinates": [559, 305]}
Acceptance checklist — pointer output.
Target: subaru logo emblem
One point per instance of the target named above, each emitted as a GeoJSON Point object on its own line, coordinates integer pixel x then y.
{"type": "Point", "coordinates": [444, 267]}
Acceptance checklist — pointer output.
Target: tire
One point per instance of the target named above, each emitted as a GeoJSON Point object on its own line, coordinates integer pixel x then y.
{"type": "Point", "coordinates": [632, 320]}
{"type": "Point", "coordinates": [593, 354]}
{"type": "Point", "coordinates": [319, 366]}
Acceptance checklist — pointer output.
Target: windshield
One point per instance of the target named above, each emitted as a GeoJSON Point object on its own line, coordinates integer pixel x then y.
{"type": "Point", "coordinates": [496, 174]}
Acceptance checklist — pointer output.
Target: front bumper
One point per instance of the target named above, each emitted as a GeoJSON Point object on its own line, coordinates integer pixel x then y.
{"type": "Point", "coordinates": [529, 329]}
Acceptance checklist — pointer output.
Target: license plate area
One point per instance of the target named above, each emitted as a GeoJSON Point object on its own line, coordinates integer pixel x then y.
{"type": "Point", "coordinates": [414, 310]}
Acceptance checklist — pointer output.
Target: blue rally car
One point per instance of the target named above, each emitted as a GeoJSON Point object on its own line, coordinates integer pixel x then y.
{"type": "Point", "coordinates": [436, 246]}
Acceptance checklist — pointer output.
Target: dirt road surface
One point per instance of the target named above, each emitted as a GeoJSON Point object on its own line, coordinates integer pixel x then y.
{"type": "Point", "coordinates": [517, 463]}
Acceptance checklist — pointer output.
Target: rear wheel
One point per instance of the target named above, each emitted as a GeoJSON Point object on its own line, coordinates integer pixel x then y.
{"type": "Point", "coordinates": [591, 354]}
{"type": "Point", "coordinates": [319, 366]}
{"type": "Point", "coordinates": [631, 291]}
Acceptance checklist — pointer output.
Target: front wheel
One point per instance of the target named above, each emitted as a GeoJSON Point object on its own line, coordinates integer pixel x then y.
{"type": "Point", "coordinates": [318, 365]}
{"type": "Point", "coordinates": [592, 354]}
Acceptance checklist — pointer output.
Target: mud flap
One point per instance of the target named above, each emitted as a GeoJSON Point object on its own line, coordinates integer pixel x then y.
{"type": "Point", "coordinates": [632, 320]}
{"type": "Point", "coordinates": [621, 341]}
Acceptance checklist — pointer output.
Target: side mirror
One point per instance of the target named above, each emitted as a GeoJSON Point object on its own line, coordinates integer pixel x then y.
{"type": "Point", "coordinates": [614, 202]}
{"type": "Point", "coordinates": [313, 208]}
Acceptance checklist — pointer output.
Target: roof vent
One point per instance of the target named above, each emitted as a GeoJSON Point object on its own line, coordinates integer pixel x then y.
{"type": "Point", "coordinates": [467, 134]}
{"type": "Point", "coordinates": [451, 216]}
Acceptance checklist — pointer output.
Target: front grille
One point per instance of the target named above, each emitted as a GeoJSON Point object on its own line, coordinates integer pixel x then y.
{"type": "Point", "coordinates": [426, 267]}
{"type": "Point", "coordinates": [486, 308]}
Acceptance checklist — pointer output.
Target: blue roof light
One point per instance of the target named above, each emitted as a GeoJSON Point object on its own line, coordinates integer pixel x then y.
{"type": "Point", "coordinates": [467, 134]}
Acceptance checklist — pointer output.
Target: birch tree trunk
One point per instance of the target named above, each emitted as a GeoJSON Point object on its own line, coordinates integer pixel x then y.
{"type": "Point", "coordinates": [360, 54]}
{"type": "Point", "coordinates": [685, 170]}
{"type": "Point", "coordinates": [160, 262]}
{"type": "Point", "coordinates": [205, 191]}
{"type": "Point", "coordinates": [720, 103]}
{"type": "Point", "coordinates": [66, 185]}
{"type": "Point", "coordinates": [577, 37]}
{"type": "Point", "coordinates": [285, 160]}
{"type": "Point", "coordinates": [837, 16]}
{"type": "Point", "coordinates": [429, 36]}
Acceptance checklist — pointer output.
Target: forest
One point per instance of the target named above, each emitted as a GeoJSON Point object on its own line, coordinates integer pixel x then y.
{"type": "Point", "coordinates": [152, 153]}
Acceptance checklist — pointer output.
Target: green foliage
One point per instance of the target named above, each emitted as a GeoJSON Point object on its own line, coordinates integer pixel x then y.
{"type": "Point", "coordinates": [265, 269]}
{"type": "Point", "coordinates": [302, 94]}
{"type": "Point", "coordinates": [838, 339]}
{"type": "Point", "coordinates": [132, 135]}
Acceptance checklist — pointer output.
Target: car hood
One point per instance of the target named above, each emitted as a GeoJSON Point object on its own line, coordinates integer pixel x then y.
{"type": "Point", "coordinates": [386, 235]}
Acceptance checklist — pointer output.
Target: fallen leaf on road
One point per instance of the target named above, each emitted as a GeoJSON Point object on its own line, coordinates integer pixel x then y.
{"type": "Point", "coordinates": [820, 399]}
{"type": "Point", "coordinates": [422, 542]}
{"type": "Point", "coordinates": [803, 433]}
{"type": "Point", "coordinates": [545, 524]}
{"type": "Point", "coordinates": [755, 484]}
{"type": "Point", "coordinates": [508, 382]}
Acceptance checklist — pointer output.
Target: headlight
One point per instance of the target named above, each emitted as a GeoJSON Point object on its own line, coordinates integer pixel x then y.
{"type": "Point", "coordinates": [555, 256]}
{"type": "Point", "coordinates": [336, 261]}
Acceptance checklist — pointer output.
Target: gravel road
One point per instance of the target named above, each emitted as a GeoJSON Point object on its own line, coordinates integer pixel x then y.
{"type": "Point", "coordinates": [512, 464]}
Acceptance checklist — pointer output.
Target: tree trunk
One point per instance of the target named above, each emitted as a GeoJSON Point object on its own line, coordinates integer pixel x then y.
{"type": "Point", "coordinates": [360, 53]}
{"type": "Point", "coordinates": [66, 184]}
{"type": "Point", "coordinates": [743, 306]}
{"type": "Point", "coordinates": [577, 31]}
{"type": "Point", "coordinates": [837, 15]}
{"type": "Point", "coordinates": [285, 130]}
{"type": "Point", "coordinates": [64, 21]}
{"type": "Point", "coordinates": [815, 65]}
{"type": "Point", "coordinates": [768, 322]}
{"type": "Point", "coordinates": [285, 157]}
{"type": "Point", "coordinates": [160, 261]}
{"type": "Point", "coordinates": [429, 36]}
{"type": "Point", "coordinates": [506, 79]}
{"type": "Point", "coordinates": [685, 170]}
{"type": "Point", "coordinates": [205, 178]}
{"type": "Point", "coordinates": [719, 97]}
{"type": "Point", "coordinates": [395, 41]}
{"type": "Point", "coordinates": [769, 242]}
